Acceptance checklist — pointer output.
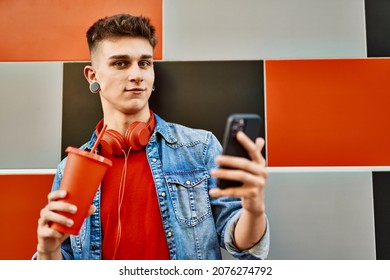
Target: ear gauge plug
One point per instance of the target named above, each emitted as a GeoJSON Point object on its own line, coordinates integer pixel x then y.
{"type": "Point", "coordinates": [94, 87]}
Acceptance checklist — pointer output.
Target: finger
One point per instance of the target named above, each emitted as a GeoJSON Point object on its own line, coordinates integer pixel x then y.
{"type": "Point", "coordinates": [238, 163]}
{"type": "Point", "coordinates": [48, 232]}
{"type": "Point", "coordinates": [48, 217]}
{"type": "Point", "coordinates": [260, 143]}
{"type": "Point", "coordinates": [230, 174]}
{"type": "Point", "coordinates": [243, 192]}
{"type": "Point", "coordinates": [226, 162]}
{"type": "Point", "coordinates": [252, 149]}
{"type": "Point", "coordinates": [55, 195]}
{"type": "Point", "coordinates": [51, 212]}
{"type": "Point", "coordinates": [62, 206]}
{"type": "Point", "coordinates": [91, 210]}
{"type": "Point", "coordinates": [245, 178]}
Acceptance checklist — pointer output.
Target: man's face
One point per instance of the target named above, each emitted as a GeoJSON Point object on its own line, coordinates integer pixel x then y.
{"type": "Point", "coordinates": [124, 69]}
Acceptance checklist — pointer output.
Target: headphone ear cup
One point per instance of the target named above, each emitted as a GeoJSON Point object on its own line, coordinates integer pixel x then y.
{"type": "Point", "coordinates": [112, 143]}
{"type": "Point", "coordinates": [137, 135]}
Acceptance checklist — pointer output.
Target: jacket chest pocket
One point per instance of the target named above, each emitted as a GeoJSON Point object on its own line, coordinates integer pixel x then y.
{"type": "Point", "coordinates": [189, 196]}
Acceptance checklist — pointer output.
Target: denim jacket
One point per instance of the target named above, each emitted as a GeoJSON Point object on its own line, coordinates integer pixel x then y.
{"type": "Point", "coordinates": [196, 225]}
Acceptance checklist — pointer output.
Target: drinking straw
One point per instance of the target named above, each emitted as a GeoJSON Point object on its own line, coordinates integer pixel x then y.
{"type": "Point", "coordinates": [98, 139]}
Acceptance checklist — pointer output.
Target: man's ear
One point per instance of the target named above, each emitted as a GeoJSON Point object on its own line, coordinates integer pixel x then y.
{"type": "Point", "coordinates": [90, 74]}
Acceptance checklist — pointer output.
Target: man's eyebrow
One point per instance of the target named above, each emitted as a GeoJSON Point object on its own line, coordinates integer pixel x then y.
{"type": "Point", "coordinates": [146, 56]}
{"type": "Point", "coordinates": [125, 56]}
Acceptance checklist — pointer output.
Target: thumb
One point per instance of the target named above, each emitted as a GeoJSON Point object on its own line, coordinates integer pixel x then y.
{"type": "Point", "coordinates": [91, 210]}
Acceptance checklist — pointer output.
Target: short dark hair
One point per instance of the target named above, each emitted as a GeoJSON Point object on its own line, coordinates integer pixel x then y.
{"type": "Point", "coordinates": [121, 25]}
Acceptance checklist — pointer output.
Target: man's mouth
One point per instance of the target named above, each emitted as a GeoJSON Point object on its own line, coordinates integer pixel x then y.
{"type": "Point", "coordinates": [136, 89]}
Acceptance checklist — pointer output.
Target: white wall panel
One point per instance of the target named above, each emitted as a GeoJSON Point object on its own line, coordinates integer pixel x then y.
{"type": "Point", "coordinates": [253, 29]}
{"type": "Point", "coordinates": [321, 215]}
{"type": "Point", "coordinates": [30, 115]}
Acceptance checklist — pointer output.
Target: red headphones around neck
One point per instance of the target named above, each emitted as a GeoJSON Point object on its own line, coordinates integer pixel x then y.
{"type": "Point", "coordinates": [136, 137]}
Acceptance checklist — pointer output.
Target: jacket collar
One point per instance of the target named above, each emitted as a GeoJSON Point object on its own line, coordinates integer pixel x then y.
{"type": "Point", "coordinates": [165, 130]}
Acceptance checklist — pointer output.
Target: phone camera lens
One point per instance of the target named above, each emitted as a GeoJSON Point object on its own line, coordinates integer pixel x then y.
{"type": "Point", "coordinates": [237, 126]}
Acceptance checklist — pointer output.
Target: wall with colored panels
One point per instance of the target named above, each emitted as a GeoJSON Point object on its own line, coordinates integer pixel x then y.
{"type": "Point", "coordinates": [299, 48]}
{"type": "Point", "coordinates": [45, 30]}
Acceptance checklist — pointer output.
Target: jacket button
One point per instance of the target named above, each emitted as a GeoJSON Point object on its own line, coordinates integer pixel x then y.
{"type": "Point", "coordinates": [169, 233]}
{"type": "Point", "coordinates": [163, 194]}
{"type": "Point", "coordinates": [93, 247]}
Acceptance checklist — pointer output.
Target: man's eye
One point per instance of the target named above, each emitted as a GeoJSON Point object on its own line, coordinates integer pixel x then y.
{"type": "Point", "coordinates": [120, 64]}
{"type": "Point", "coordinates": [144, 63]}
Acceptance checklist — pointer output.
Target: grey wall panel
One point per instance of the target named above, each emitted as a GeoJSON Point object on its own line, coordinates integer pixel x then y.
{"type": "Point", "coordinates": [321, 215]}
{"type": "Point", "coordinates": [253, 29]}
{"type": "Point", "coordinates": [30, 114]}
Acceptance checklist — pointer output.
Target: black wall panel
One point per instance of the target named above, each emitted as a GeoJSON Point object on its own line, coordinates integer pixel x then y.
{"type": "Point", "coordinates": [381, 191]}
{"type": "Point", "coordinates": [198, 94]}
{"type": "Point", "coordinates": [378, 27]}
{"type": "Point", "coordinates": [81, 110]}
{"type": "Point", "coordinates": [203, 94]}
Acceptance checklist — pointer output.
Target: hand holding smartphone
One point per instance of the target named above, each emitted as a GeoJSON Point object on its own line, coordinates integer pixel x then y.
{"type": "Point", "coordinates": [250, 124]}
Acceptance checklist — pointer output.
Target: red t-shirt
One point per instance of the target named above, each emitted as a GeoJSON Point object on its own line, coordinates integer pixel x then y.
{"type": "Point", "coordinates": [139, 233]}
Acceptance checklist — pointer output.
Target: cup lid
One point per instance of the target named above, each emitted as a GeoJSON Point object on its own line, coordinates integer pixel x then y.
{"type": "Point", "coordinates": [88, 154]}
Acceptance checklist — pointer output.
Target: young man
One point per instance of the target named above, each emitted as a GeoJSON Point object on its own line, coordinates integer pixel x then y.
{"type": "Point", "coordinates": [159, 200]}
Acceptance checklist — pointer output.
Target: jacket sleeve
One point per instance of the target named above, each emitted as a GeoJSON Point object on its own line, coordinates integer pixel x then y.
{"type": "Point", "coordinates": [226, 212]}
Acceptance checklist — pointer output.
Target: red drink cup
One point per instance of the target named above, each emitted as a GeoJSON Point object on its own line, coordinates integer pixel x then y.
{"type": "Point", "coordinates": [83, 174]}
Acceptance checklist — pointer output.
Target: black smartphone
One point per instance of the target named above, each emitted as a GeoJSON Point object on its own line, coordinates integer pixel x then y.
{"type": "Point", "coordinates": [250, 124]}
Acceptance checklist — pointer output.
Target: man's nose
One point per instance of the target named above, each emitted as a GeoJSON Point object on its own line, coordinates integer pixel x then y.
{"type": "Point", "coordinates": [135, 74]}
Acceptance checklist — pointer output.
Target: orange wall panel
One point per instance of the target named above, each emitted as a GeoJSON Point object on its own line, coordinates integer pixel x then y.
{"type": "Point", "coordinates": [21, 199]}
{"type": "Point", "coordinates": [330, 112]}
{"type": "Point", "coordinates": [46, 30]}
